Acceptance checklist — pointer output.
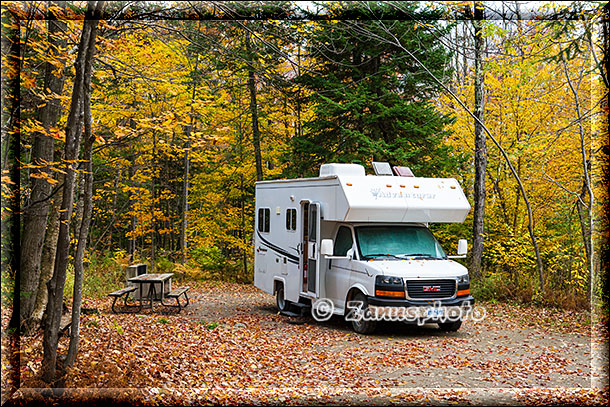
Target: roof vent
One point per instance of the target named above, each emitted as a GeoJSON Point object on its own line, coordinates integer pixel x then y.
{"type": "Point", "coordinates": [348, 170]}
{"type": "Point", "coordinates": [382, 168]}
{"type": "Point", "coordinates": [403, 171]}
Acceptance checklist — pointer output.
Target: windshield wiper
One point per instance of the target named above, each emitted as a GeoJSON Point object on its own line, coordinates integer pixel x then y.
{"type": "Point", "coordinates": [372, 256]}
{"type": "Point", "coordinates": [420, 256]}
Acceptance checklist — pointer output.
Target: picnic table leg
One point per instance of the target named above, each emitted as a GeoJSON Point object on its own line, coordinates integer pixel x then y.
{"type": "Point", "coordinates": [163, 293]}
{"type": "Point", "coordinates": [178, 301]}
{"type": "Point", "coordinates": [141, 294]}
{"type": "Point", "coordinates": [187, 298]}
{"type": "Point", "coordinates": [139, 308]}
{"type": "Point", "coordinates": [114, 302]}
{"type": "Point", "coordinates": [152, 293]}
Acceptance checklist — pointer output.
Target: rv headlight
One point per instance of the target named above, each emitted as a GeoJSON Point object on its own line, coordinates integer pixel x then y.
{"type": "Point", "coordinates": [464, 279]}
{"type": "Point", "coordinates": [387, 280]}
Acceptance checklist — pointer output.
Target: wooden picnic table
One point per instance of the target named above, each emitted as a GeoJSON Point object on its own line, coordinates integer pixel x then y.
{"type": "Point", "coordinates": [152, 279]}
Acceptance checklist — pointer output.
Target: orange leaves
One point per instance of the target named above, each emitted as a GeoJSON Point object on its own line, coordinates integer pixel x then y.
{"type": "Point", "coordinates": [230, 345]}
{"type": "Point", "coordinates": [45, 176]}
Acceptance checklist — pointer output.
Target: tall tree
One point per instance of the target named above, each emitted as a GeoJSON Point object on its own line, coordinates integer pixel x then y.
{"type": "Point", "coordinates": [36, 209]}
{"type": "Point", "coordinates": [480, 147]}
{"type": "Point", "coordinates": [371, 101]}
{"type": "Point", "coordinates": [84, 59]}
{"type": "Point", "coordinates": [83, 230]}
{"type": "Point", "coordinates": [256, 135]}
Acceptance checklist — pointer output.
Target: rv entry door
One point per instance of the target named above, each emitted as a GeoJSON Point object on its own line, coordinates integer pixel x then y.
{"type": "Point", "coordinates": [310, 264]}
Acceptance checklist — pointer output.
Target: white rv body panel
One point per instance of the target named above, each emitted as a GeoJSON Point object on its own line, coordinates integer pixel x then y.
{"type": "Point", "coordinates": [378, 199]}
{"type": "Point", "coordinates": [285, 253]}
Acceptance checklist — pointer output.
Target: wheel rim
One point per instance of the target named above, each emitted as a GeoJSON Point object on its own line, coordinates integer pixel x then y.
{"type": "Point", "coordinates": [359, 323]}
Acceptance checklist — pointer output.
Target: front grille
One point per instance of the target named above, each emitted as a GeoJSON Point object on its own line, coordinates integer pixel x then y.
{"type": "Point", "coordinates": [427, 289]}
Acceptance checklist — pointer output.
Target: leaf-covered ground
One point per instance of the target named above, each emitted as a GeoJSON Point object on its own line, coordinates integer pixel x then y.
{"type": "Point", "coordinates": [231, 347]}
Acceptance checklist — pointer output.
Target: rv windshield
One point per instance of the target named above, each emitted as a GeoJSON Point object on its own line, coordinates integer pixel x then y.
{"type": "Point", "coordinates": [397, 242]}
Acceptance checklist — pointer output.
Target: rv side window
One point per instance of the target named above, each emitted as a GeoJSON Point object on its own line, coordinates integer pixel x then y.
{"type": "Point", "coordinates": [291, 219]}
{"type": "Point", "coordinates": [263, 219]}
{"type": "Point", "coordinates": [343, 242]}
{"type": "Point", "coordinates": [313, 216]}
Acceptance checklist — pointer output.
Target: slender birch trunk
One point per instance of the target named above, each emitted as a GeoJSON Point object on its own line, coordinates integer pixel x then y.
{"type": "Point", "coordinates": [56, 285]}
{"type": "Point", "coordinates": [480, 146]}
{"type": "Point", "coordinates": [256, 136]}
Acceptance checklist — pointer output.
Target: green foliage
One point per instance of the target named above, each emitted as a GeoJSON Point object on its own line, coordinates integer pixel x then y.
{"type": "Point", "coordinates": [163, 264]}
{"type": "Point", "coordinates": [118, 328]}
{"type": "Point", "coordinates": [371, 101]}
{"type": "Point", "coordinates": [209, 259]}
{"type": "Point", "coordinates": [448, 234]}
{"type": "Point", "coordinates": [104, 273]}
{"type": "Point", "coordinates": [8, 287]}
{"type": "Point", "coordinates": [69, 285]}
{"type": "Point", "coordinates": [496, 287]}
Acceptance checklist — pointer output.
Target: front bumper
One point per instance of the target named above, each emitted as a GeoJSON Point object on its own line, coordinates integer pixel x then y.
{"type": "Point", "coordinates": [410, 311]}
{"type": "Point", "coordinates": [452, 302]}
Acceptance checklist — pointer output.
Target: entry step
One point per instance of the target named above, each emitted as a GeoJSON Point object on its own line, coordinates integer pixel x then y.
{"type": "Point", "coordinates": [290, 314]}
{"type": "Point", "coordinates": [297, 309]}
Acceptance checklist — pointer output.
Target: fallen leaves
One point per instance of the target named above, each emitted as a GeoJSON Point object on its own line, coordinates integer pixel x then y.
{"type": "Point", "coordinates": [231, 347]}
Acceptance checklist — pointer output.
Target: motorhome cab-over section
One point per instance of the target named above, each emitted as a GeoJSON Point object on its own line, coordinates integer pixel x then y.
{"type": "Point", "coordinates": [349, 237]}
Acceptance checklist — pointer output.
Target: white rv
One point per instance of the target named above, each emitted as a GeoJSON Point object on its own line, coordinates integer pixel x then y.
{"type": "Point", "coordinates": [349, 238]}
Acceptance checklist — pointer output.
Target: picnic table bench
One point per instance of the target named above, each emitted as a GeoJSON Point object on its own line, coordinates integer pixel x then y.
{"type": "Point", "coordinates": [176, 293]}
{"type": "Point", "coordinates": [123, 292]}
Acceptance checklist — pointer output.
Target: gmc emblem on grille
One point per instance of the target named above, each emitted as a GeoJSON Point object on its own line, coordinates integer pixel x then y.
{"type": "Point", "coordinates": [431, 288]}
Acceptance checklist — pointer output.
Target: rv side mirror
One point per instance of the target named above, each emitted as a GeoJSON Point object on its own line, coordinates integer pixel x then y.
{"type": "Point", "coordinates": [350, 254]}
{"type": "Point", "coordinates": [462, 247]}
{"type": "Point", "coordinates": [326, 247]}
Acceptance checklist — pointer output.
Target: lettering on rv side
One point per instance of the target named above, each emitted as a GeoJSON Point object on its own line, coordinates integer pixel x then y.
{"type": "Point", "coordinates": [377, 193]}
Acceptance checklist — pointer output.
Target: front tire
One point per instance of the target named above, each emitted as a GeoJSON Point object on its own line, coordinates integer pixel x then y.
{"type": "Point", "coordinates": [450, 326]}
{"type": "Point", "coordinates": [363, 325]}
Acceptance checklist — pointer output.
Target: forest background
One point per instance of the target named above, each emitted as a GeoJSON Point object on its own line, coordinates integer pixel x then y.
{"type": "Point", "coordinates": [137, 134]}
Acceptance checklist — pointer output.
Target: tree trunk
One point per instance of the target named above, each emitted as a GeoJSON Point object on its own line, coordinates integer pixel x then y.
{"type": "Point", "coordinates": [117, 182]}
{"type": "Point", "coordinates": [185, 201]}
{"type": "Point", "coordinates": [480, 147]}
{"type": "Point", "coordinates": [187, 165]}
{"type": "Point", "coordinates": [77, 218]}
{"type": "Point", "coordinates": [153, 218]}
{"type": "Point", "coordinates": [37, 209]}
{"type": "Point", "coordinates": [46, 263]}
{"type": "Point", "coordinates": [10, 147]}
{"type": "Point", "coordinates": [516, 214]}
{"type": "Point", "coordinates": [131, 245]}
{"type": "Point", "coordinates": [583, 216]}
{"type": "Point", "coordinates": [56, 285]}
{"type": "Point", "coordinates": [586, 163]}
{"type": "Point", "coordinates": [83, 232]}
{"type": "Point", "coordinates": [256, 136]}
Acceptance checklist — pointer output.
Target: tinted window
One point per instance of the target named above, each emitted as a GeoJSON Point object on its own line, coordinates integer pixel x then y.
{"type": "Point", "coordinates": [263, 219]}
{"type": "Point", "coordinates": [313, 218]}
{"type": "Point", "coordinates": [401, 241]}
{"type": "Point", "coordinates": [291, 219]}
{"type": "Point", "coordinates": [343, 242]}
